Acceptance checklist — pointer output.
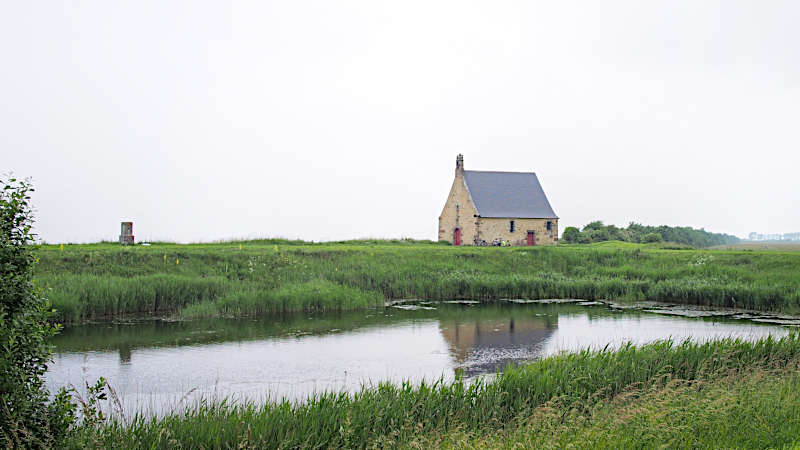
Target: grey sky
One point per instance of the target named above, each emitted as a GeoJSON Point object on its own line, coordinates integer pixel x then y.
{"type": "Point", "coordinates": [333, 120]}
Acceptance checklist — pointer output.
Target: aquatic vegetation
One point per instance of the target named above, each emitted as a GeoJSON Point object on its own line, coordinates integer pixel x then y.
{"type": "Point", "coordinates": [255, 277]}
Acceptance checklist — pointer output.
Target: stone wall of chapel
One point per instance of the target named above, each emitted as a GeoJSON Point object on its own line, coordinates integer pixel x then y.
{"type": "Point", "coordinates": [500, 228]}
{"type": "Point", "coordinates": [458, 212]}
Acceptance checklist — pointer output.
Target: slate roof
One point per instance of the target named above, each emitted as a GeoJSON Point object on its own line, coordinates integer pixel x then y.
{"type": "Point", "coordinates": [508, 194]}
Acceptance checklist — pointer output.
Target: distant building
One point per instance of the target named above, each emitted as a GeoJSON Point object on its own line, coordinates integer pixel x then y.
{"type": "Point", "coordinates": [484, 207]}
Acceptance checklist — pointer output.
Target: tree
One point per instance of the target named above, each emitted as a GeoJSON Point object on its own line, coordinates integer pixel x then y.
{"type": "Point", "coordinates": [635, 232]}
{"type": "Point", "coordinates": [617, 234]}
{"type": "Point", "coordinates": [652, 237]}
{"type": "Point", "coordinates": [571, 235]}
{"type": "Point", "coordinates": [600, 235]}
{"type": "Point", "coordinates": [596, 225]}
{"type": "Point", "coordinates": [26, 417]}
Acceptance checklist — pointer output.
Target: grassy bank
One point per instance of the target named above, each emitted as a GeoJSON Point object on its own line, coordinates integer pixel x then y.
{"type": "Point", "coordinates": [628, 397]}
{"type": "Point", "coordinates": [755, 409]}
{"type": "Point", "coordinates": [238, 278]}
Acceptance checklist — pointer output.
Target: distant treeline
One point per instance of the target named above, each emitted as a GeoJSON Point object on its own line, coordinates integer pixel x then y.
{"type": "Point", "coordinates": [598, 232]}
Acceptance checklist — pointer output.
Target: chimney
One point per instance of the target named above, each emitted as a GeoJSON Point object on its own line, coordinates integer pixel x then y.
{"type": "Point", "coordinates": [459, 164]}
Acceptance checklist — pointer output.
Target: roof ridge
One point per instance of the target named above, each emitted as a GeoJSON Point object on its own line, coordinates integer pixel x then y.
{"type": "Point", "coordinates": [498, 171]}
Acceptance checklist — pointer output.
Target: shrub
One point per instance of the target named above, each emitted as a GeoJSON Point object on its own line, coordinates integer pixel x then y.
{"type": "Point", "coordinates": [600, 235]}
{"type": "Point", "coordinates": [26, 418]}
{"type": "Point", "coordinates": [598, 232]}
{"type": "Point", "coordinates": [596, 225]}
{"type": "Point", "coordinates": [652, 237]}
{"type": "Point", "coordinates": [570, 235]}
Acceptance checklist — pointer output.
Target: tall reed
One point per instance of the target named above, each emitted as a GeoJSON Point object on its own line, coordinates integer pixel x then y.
{"type": "Point", "coordinates": [103, 280]}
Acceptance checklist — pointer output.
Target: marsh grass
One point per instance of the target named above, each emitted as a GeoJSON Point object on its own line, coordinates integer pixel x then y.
{"type": "Point", "coordinates": [771, 246]}
{"type": "Point", "coordinates": [758, 408]}
{"type": "Point", "coordinates": [252, 277]}
{"type": "Point", "coordinates": [315, 295]}
{"type": "Point", "coordinates": [555, 390]}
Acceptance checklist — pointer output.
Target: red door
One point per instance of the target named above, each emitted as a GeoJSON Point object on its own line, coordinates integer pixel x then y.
{"type": "Point", "coordinates": [531, 238]}
{"type": "Point", "coordinates": [458, 236]}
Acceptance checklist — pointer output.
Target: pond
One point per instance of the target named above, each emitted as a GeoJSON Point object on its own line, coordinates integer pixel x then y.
{"type": "Point", "coordinates": [158, 366]}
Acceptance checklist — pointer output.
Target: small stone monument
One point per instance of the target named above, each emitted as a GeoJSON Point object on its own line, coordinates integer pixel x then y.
{"type": "Point", "coordinates": [126, 236]}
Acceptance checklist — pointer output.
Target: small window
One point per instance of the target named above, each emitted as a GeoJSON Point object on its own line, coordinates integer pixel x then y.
{"type": "Point", "coordinates": [549, 226]}
{"type": "Point", "coordinates": [511, 226]}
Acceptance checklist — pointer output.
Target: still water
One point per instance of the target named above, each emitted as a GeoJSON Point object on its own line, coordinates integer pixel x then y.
{"type": "Point", "coordinates": [159, 366]}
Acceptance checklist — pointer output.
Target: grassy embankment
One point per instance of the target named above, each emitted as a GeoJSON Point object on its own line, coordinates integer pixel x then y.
{"type": "Point", "coordinates": [780, 246]}
{"type": "Point", "coordinates": [257, 277]}
{"type": "Point", "coordinates": [721, 394]}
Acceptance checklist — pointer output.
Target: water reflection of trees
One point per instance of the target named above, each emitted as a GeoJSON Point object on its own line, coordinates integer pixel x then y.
{"type": "Point", "coordinates": [520, 328]}
{"type": "Point", "coordinates": [124, 337]}
{"type": "Point", "coordinates": [125, 353]}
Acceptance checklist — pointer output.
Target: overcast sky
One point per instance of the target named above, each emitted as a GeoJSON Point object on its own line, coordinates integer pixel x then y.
{"type": "Point", "coordinates": [329, 120]}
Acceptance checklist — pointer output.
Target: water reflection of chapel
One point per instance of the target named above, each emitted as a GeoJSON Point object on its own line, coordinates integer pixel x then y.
{"type": "Point", "coordinates": [481, 346]}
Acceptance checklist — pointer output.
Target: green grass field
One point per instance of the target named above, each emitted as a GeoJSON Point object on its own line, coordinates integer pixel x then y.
{"type": "Point", "coordinates": [755, 409]}
{"type": "Point", "coordinates": [728, 393]}
{"type": "Point", "coordinates": [268, 276]}
{"type": "Point", "coordinates": [763, 246]}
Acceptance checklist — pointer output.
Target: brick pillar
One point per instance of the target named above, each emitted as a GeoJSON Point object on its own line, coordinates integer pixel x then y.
{"type": "Point", "coordinates": [126, 233]}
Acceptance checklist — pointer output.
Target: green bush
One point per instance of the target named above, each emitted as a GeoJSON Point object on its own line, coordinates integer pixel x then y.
{"type": "Point", "coordinates": [26, 417]}
{"type": "Point", "coordinates": [599, 235]}
{"type": "Point", "coordinates": [652, 237]}
{"type": "Point", "coordinates": [598, 232]}
{"type": "Point", "coordinates": [596, 225]}
{"type": "Point", "coordinates": [570, 235]}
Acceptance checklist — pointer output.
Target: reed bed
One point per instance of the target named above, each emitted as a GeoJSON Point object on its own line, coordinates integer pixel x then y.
{"type": "Point", "coordinates": [253, 277]}
{"type": "Point", "coordinates": [759, 408]}
{"type": "Point", "coordinates": [389, 415]}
